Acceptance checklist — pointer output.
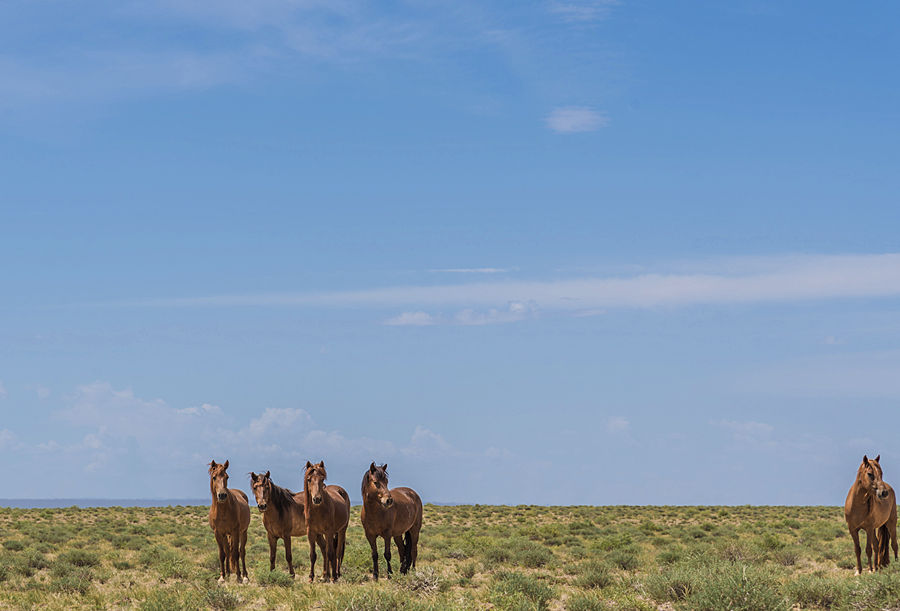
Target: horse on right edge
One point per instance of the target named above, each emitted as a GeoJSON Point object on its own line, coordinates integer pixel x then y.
{"type": "Point", "coordinates": [388, 513]}
{"type": "Point", "coordinates": [872, 506]}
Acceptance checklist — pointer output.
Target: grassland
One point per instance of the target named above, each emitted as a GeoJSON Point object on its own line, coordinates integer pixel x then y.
{"type": "Point", "coordinates": [578, 558]}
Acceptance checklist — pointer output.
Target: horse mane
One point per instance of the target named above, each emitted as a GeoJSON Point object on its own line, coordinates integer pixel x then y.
{"type": "Point", "coordinates": [281, 498]}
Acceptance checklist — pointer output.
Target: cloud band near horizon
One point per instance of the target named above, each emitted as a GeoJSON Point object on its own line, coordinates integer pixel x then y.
{"type": "Point", "coordinates": [724, 281]}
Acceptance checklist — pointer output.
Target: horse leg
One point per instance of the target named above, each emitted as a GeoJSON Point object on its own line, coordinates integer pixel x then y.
{"type": "Point", "coordinates": [332, 555]}
{"type": "Point", "coordinates": [892, 529]}
{"type": "Point", "coordinates": [273, 550]}
{"type": "Point", "coordinates": [373, 543]}
{"type": "Point", "coordinates": [387, 554]}
{"type": "Point", "coordinates": [244, 554]}
{"type": "Point", "coordinates": [236, 555]}
{"type": "Point", "coordinates": [222, 542]}
{"type": "Point", "coordinates": [856, 548]}
{"type": "Point", "coordinates": [413, 546]}
{"type": "Point", "coordinates": [341, 541]}
{"type": "Point", "coordinates": [312, 556]}
{"type": "Point", "coordinates": [401, 549]}
{"type": "Point", "coordinates": [870, 540]}
{"type": "Point", "coordinates": [287, 555]}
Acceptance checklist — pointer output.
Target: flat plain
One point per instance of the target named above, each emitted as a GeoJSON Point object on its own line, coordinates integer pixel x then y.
{"type": "Point", "coordinates": [470, 557]}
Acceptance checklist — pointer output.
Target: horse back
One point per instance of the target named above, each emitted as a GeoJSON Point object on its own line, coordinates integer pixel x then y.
{"type": "Point", "coordinates": [341, 500]}
{"type": "Point", "coordinates": [408, 507]}
{"type": "Point", "coordinates": [242, 507]}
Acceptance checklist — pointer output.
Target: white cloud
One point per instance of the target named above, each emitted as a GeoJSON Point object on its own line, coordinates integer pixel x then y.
{"type": "Point", "coordinates": [617, 424]}
{"type": "Point", "coordinates": [412, 319]}
{"type": "Point", "coordinates": [514, 312]}
{"type": "Point", "coordinates": [718, 281]}
{"type": "Point", "coordinates": [200, 410]}
{"type": "Point", "coordinates": [425, 442]}
{"type": "Point", "coordinates": [575, 119]}
{"type": "Point", "coordinates": [7, 439]}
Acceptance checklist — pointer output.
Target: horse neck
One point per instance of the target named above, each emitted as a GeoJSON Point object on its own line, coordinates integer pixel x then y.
{"type": "Point", "coordinates": [860, 492]}
{"type": "Point", "coordinates": [322, 507]}
{"type": "Point", "coordinates": [372, 504]}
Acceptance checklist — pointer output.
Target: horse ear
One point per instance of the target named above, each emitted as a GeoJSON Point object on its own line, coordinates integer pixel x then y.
{"type": "Point", "coordinates": [321, 464]}
{"type": "Point", "coordinates": [226, 464]}
{"type": "Point", "coordinates": [865, 460]}
{"type": "Point", "coordinates": [384, 467]}
{"type": "Point", "coordinates": [212, 463]}
{"type": "Point", "coordinates": [267, 475]}
{"type": "Point", "coordinates": [372, 467]}
{"type": "Point", "coordinates": [308, 464]}
{"type": "Point", "coordinates": [877, 458]}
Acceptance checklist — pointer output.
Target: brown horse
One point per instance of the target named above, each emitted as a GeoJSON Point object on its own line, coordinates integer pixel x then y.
{"type": "Point", "coordinates": [327, 516]}
{"type": "Point", "coordinates": [229, 518]}
{"type": "Point", "coordinates": [393, 513]}
{"type": "Point", "coordinates": [283, 516]}
{"type": "Point", "coordinates": [872, 506]}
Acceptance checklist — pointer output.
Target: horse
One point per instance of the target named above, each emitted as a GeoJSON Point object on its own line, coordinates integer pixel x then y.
{"type": "Point", "coordinates": [282, 515]}
{"type": "Point", "coordinates": [327, 512]}
{"type": "Point", "coordinates": [393, 513]}
{"type": "Point", "coordinates": [229, 518]}
{"type": "Point", "coordinates": [872, 506]}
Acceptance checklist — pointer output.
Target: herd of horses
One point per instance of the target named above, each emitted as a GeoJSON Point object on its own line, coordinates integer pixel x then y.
{"type": "Point", "coordinates": [320, 512]}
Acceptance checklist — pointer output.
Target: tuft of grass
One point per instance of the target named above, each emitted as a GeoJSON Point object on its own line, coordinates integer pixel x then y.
{"type": "Point", "coordinates": [513, 590]}
{"type": "Point", "coordinates": [594, 574]}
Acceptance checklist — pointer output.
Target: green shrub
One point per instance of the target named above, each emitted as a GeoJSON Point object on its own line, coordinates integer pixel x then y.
{"type": "Point", "coordinates": [625, 558]}
{"type": "Point", "coordinates": [587, 601]}
{"type": "Point", "coordinates": [221, 599]}
{"type": "Point", "coordinates": [738, 588]}
{"type": "Point", "coordinates": [79, 557]}
{"type": "Point", "coordinates": [814, 591]}
{"type": "Point", "coordinates": [594, 574]}
{"type": "Point", "coordinates": [512, 590]}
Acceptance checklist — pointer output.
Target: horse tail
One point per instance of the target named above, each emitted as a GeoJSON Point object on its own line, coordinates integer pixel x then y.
{"type": "Point", "coordinates": [884, 544]}
{"type": "Point", "coordinates": [407, 547]}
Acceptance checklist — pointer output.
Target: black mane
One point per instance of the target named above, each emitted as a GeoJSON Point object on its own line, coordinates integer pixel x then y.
{"type": "Point", "coordinates": [280, 498]}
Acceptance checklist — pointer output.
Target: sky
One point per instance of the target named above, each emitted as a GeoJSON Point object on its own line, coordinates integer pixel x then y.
{"type": "Point", "coordinates": [545, 252]}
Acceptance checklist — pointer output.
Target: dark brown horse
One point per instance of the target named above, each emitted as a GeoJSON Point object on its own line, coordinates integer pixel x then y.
{"type": "Point", "coordinates": [283, 516]}
{"type": "Point", "coordinates": [872, 506]}
{"type": "Point", "coordinates": [327, 516]}
{"type": "Point", "coordinates": [229, 518]}
{"type": "Point", "coordinates": [388, 513]}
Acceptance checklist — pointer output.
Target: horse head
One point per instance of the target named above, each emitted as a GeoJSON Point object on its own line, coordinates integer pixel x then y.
{"type": "Point", "coordinates": [262, 489]}
{"type": "Point", "coordinates": [375, 484]}
{"type": "Point", "coordinates": [869, 477]}
{"type": "Point", "coordinates": [218, 480]}
{"type": "Point", "coordinates": [314, 481]}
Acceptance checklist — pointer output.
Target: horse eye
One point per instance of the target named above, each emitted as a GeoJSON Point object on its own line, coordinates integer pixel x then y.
{"type": "Point", "coordinates": [871, 476]}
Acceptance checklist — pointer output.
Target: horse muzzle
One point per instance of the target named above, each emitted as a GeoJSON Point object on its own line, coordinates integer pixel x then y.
{"type": "Point", "coordinates": [317, 500]}
{"type": "Point", "coordinates": [221, 497]}
{"type": "Point", "coordinates": [262, 507]}
{"type": "Point", "coordinates": [882, 494]}
{"type": "Point", "coordinates": [388, 501]}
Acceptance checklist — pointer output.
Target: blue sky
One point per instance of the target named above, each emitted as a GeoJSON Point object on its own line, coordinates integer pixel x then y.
{"type": "Point", "coordinates": [562, 251]}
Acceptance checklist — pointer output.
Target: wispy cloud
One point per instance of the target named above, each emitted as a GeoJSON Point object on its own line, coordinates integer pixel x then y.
{"type": "Point", "coordinates": [412, 319]}
{"type": "Point", "coordinates": [583, 11]}
{"type": "Point", "coordinates": [617, 424]}
{"type": "Point", "coordinates": [471, 270]}
{"type": "Point", "coordinates": [575, 119]}
{"type": "Point", "coordinates": [718, 282]}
